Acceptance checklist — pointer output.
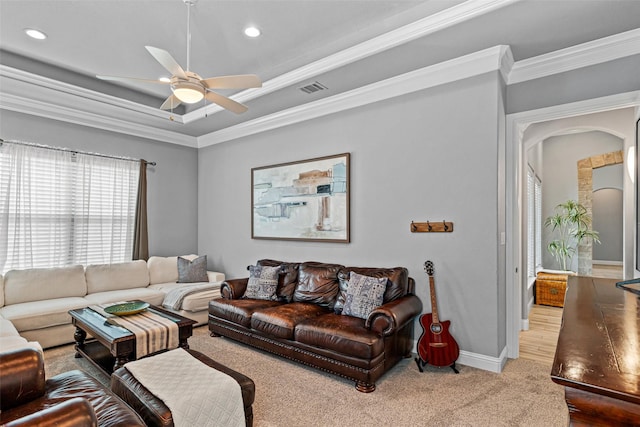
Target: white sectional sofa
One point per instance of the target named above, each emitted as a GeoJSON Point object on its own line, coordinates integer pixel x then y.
{"type": "Point", "coordinates": [35, 302]}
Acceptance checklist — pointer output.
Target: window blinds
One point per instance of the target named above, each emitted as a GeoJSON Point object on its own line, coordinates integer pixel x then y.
{"type": "Point", "coordinates": [62, 208]}
{"type": "Point", "coordinates": [534, 223]}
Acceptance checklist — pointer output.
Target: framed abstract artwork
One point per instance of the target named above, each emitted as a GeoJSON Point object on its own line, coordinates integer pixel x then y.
{"type": "Point", "coordinates": [304, 200]}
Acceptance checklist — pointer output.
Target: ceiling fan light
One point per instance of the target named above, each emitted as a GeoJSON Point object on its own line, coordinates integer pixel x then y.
{"type": "Point", "coordinates": [35, 34]}
{"type": "Point", "coordinates": [252, 32]}
{"type": "Point", "coordinates": [188, 92]}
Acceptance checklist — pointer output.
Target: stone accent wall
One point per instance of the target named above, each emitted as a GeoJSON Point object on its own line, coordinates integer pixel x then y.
{"type": "Point", "coordinates": [585, 198]}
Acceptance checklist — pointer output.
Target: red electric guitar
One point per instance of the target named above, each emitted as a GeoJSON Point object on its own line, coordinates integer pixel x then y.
{"type": "Point", "coordinates": [436, 346]}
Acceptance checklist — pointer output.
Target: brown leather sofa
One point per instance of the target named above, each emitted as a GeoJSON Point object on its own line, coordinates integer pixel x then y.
{"type": "Point", "coordinates": [69, 399]}
{"type": "Point", "coordinates": [305, 323]}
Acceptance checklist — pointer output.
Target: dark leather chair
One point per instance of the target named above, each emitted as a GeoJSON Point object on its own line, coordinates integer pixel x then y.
{"type": "Point", "coordinates": [153, 410]}
{"type": "Point", "coordinates": [72, 398]}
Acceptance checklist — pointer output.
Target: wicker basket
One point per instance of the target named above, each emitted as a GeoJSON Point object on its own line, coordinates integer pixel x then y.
{"type": "Point", "coordinates": [550, 288]}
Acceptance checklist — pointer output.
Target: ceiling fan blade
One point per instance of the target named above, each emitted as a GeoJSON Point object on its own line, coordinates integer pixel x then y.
{"type": "Point", "coordinates": [166, 60]}
{"type": "Point", "coordinates": [225, 102]}
{"type": "Point", "coordinates": [170, 103]}
{"type": "Point", "coordinates": [131, 79]}
{"type": "Point", "coordinates": [233, 82]}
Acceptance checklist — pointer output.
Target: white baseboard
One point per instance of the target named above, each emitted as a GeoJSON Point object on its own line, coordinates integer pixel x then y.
{"type": "Point", "coordinates": [593, 262]}
{"type": "Point", "coordinates": [479, 361]}
{"type": "Point", "coordinates": [524, 323]}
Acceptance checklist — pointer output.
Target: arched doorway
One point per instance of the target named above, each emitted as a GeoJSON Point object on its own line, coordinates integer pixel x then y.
{"type": "Point", "coordinates": [517, 126]}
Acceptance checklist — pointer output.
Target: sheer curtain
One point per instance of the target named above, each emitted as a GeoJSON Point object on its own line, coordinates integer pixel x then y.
{"type": "Point", "coordinates": [61, 208]}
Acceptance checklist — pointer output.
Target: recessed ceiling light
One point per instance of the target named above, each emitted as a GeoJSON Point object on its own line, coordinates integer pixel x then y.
{"type": "Point", "coordinates": [165, 79]}
{"type": "Point", "coordinates": [36, 34]}
{"type": "Point", "coordinates": [252, 32]}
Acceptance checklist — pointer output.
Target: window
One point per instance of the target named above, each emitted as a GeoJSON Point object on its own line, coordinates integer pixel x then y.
{"type": "Point", "coordinates": [534, 223]}
{"type": "Point", "coordinates": [61, 208]}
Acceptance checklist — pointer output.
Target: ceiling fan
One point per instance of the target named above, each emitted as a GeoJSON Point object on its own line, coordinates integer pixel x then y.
{"type": "Point", "coordinates": [189, 87]}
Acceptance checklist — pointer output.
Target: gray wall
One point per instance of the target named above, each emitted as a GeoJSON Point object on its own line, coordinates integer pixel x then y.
{"type": "Point", "coordinates": [608, 212]}
{"type": "Point", "coordinates": [171, 185]}
{"type": "Point", "coordinates": [560, 178]}
{"type": "Point", "coordinates": [431, 155]}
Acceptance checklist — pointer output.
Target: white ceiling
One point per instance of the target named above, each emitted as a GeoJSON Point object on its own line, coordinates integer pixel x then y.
{"type": "Point", "coordinates": [343, 44]}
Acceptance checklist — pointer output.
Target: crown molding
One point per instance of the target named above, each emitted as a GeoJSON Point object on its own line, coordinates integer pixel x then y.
{"type": "Point", "coordinates": [45, 96]}
{"type": "Point", "coordinates": [37, 81]}
{"type": "Point", "coordinates": [447, 18]}
{"type": "Point", "coordinates": [579, 56]}
{"type": "Point", "coordinates": [446, 72]}
{"type": "Point", "coordinates": [72, 115]}
{"type": "Point", "coordinates": [62, 101]}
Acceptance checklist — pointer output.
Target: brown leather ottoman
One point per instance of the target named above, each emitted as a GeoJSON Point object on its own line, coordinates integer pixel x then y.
{"type": "Point", "coordinates": [153, 410]}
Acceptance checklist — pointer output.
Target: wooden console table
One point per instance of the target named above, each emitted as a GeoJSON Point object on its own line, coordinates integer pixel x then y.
{"type": "Point", "coordinates": [597, 359]}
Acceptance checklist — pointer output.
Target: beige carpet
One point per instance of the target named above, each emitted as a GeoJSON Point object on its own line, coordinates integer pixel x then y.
{"type": "Point", "coordinates": [289, 394]}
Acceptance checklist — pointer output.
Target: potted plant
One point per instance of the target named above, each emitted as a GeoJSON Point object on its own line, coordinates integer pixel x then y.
{"type": "Point", "coordinates": [571, 223]}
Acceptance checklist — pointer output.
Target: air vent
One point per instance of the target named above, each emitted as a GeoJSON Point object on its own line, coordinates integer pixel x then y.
{"type": "Point", "coordinates": [313, 87]}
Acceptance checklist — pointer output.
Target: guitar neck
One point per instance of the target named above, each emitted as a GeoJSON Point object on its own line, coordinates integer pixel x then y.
{"type": "Point", "coordinates": [434, 304]}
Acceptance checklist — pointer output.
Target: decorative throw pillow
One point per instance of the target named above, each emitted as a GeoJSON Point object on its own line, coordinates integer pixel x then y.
{"type": "Point", "coordinates": [263, 282]}
{"type": "Point", "coordinates": [192, 271]}
{"type": "Point", "coordinates": [364, 295]}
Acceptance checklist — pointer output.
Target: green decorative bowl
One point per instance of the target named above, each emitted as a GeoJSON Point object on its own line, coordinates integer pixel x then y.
{"type": "Point", "coordinates": [127, 308]}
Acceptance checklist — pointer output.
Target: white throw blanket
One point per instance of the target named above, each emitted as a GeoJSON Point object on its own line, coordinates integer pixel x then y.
{"type": "Point", "coordinates": [196, 394]}
{"type": "Point", "coordinates": [173, 299]}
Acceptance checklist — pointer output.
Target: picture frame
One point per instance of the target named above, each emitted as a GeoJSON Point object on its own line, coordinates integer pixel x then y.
{"type": "Point", "coordinates": [306, 200]}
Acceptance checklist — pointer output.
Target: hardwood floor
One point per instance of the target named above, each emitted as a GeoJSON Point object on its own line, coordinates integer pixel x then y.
{"type": "Point", "coordinates": [607, 271]}
{"type": "Point", "coordinates": [539, 342]}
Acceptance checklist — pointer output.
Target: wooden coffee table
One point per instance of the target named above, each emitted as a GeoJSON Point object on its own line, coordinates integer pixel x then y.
{"type": "Point", "coordinates": [112, 346]}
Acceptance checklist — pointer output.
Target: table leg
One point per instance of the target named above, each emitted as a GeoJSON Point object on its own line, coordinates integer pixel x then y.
{"type": "Point", "coordinates": [79, 336]}
{"type": "Point", "coordinates": [120, 361]}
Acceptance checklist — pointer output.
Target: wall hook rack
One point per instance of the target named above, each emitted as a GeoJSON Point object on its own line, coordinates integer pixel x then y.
{"type": "Point", "coordinates": [432, 227]}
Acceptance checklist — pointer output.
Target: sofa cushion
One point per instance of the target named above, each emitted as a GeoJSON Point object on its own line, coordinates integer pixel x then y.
{"type": "Point", "coordinates": [192, 271]}
{"type": "Point", "coordinates": [7, 329]}
{"type": "Point", "coordinates": [35, 284]}
{"type": "Point", "coordinates": [32, 315]}
{"type": "Point", "coordinates": [281, 321]}
{"type": "Point", "coordinates": [262, 283]}
{"type": "Point", "coordinates": [364, 294]}
{"type": "Point", "coordinates": [13, 342]}
{"type": "Point", "coordinates": [152, 296]}
{"type": "Point", "coordinates": [343, 334]}
{"type": "Point", "coordinates": [162, 269]}
{"type": "Point", "coordinates": [112, 277]}
{"type": "Point", "coordinates": [239, 311]}
{"type": "Point", "coordinates": [287, 279]}
{"type": "Point", "coordinates": [165, 269]}
{"type": "Point", "coordinates": [397, 286]}
{"type": "Point", "coordinates": [317, 284]}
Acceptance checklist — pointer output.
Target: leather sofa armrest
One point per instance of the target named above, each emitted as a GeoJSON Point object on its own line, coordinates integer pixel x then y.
{"type": "Point", "coordinates": [76, 412]}
{"type": "Point", "coordinates": [390, 317]}
{"type": "Point", "coordinates": [22, 377]}
{"type": "Point", "coordinates": [233, 288]}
